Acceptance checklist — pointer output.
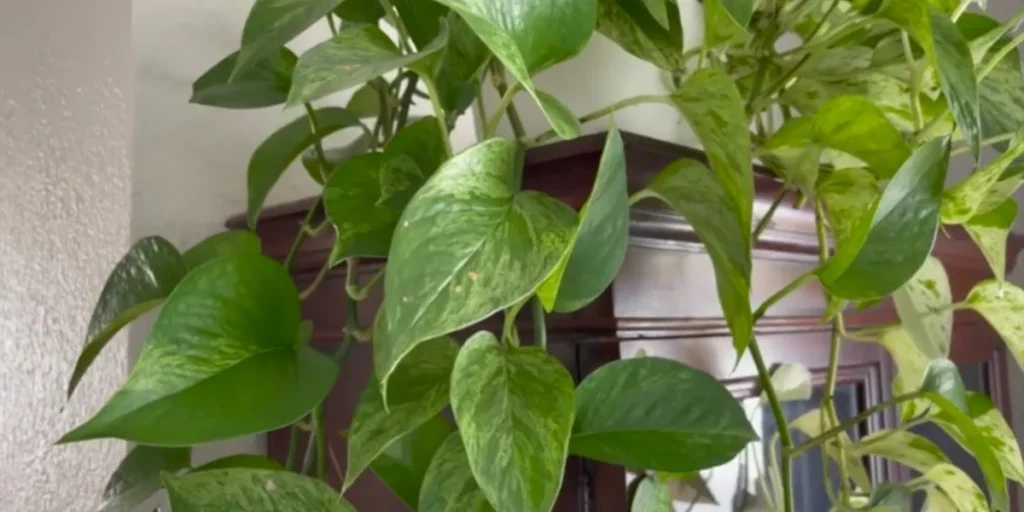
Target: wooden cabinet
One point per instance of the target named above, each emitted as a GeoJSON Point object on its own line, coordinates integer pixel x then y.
{"type": "Point", "coordinates": [664, 303]}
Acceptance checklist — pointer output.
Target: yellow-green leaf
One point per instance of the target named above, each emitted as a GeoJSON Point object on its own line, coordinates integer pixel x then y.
{"type": "Point", "coordinates": [813, 424]}
{"type": "Point", "coordinates": [639, 31]}
{"type": "Point", "coordinates": [907, 448]}
{"type": "Point", "coordinates": [963, 201]}
{"type": "Point", "coordinates": [923, 304]}
{"type": "Point", "coordinates": [252, 490]}
{"type": "Point", "coordinates": [725, 21]}
{"type": "Point", "coordinates": [449, 485]}
{"type": "Point", "coordinates": [1002, 305]}
{"type": "Point", "coordinates": [995, 431]}
{"type": "Point", "coordinates": [957, 487]}
{"type": "Point", "coordinates": [990, 232]}
{"type": "Point", "coordinates": [273, 23]}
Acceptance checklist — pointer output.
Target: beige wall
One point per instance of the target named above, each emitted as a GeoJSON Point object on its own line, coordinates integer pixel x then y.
{"type": "Point", "coordinates": [65, 186]}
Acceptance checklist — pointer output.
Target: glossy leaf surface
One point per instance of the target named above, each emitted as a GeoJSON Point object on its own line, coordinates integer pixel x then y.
{"type": "Point", "coordinates": [855, 125]}
{"type": "Point", "coordinates": [693, 191]}
{"type": "Point", "coordinates": [792, 382]}
{"type": "Point", "coordinates": [403, 465]}
{"type": "Point", "coordinates": [990, 232]}
{"type": "Point", "coordinates": [221, 244]}
{"type": "Point", "coordinates": [882, 256]}
{"type": "Point", "coordinates": [637, 30]}
{"type": "Point", "coordinates": [275, 154]}
{"type": "Point", "coordinates": [334, 156]}
{"type": "Point", "coordinates": [906, 448]}
{"type": "Point", "coordinates": [253, 490]}
{"type": "Point", "coordinates": [963, 201]}
{"type": "Point", "coordinates": [657, 414]}
{"type": "Point", "coordinates": [529, 36]}
{"type": "Point", "coordinates": [359, 11]}
{"type": "Point", "coordinates": [360, 53]}
{"type": "Point", "coordinates": [651, 496]}
{"type": "Point", "coordinates": [995, 431]}
{"type": "Point", "coordinates": [265, 84]}
{"type": "Point", "coordinates": [923, 305]}
{"type": "Point", "coordinates": [958, 488]}
{"type": "Point", "coordinates": [241, 461]}
{"type": "Point", "coordinates": [137, 477]}
{"type": "Point", "coordinates": [273, 23]}
{"type": "Point", "coordinates": [467, 246]}
{"type": "Point", "coordinates": [599, 242]}
{"type": "Point", "coordinates": [814, 423]}
{"type": "Point", "coordinates": [725, 21]}
{"type": "Point", "coordinates": [850, 195]}
{"type": "Point", "coordinates": [221, 361]}
{"type": "Point", "coordinates": [139, 282]}
{"type": "Point", "coordinates": [1002, 305]}
{"type": "Point", "coordinates": [420, 392]}
{"type": "Point", "coordinates": [449, 485]}
{"type": "Point", "coordinates": [515, 409]}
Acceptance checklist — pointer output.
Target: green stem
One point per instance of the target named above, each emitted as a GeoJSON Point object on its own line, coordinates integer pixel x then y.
{"type": "Point", "coordinates": [410, 90]}
{"type": "Point", "coordinates": [767, 219]}
{"type": "Point", "coordinates": [321, 442]}
{"type": "Point", "coordinates": [821, 24]}
{"type": "Point", "coordinates": [439, 113]}
{"type": "Point", "coordinates": [835, 431]}
{"type": "Point", "coordinates": [597, 114]}
{"type": "Point", "coordinates": [1006, 137]}
{"type": "Point", "coordinates": [960, 9]}
{"type": "Point", "coordinates": [779, 85]}
{"type": "Point", "coordinates": [829, 400]}
{"type": "Point", "coordinates": [1000, 55]}
{"type": "Point", "coordinates": [793, 286]}
{"type": "Point", "coordinates": [540, 324]}
{"type": "Point", "coordinates": [915, 82]}
{"type": "Point", "coordinates": [507, 105]}
{"type": "Point", "coordinates": [503, 106]}
{"type": "Point", "coordinates": [317, 281]}
{"type": "Point", "coordinates": [293, 448]}
{"type": "Point", "coordinates": [318, 145]}
{"type": "Point", "coordinates": [301, 237]}
{"type": "Point", "coordinates": [780, 420]}
{"type": "Point", "coordinates": [396, 21]}
{"type": "Point", "coordinates": [331, 24]}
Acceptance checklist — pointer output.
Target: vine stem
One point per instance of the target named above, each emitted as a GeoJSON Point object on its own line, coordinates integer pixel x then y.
{"type": "Point", "coordinates": [793, 286]}
{"type": "Point", "coordinates": [318, 145]}
{"type": "Point", "coordinates": [598, 114]}
{"type": "Point", "coordinates": [766, 220]}
{"type": "Point", "coordinates": [503, 106]}
{"type": "Point", "coordinates": [540, 324]}
{"type": "Point", "coordinates": [915, 83]}
{"type": "Point", "coordinates": [835, 431]}
{"type": "Point", "coordinates": [780, 420]}
{"type": "Point", "coordinates": [396, 21]}
{"type": "Point", "coordinates": [999, 56]}
{"type": "Point", "coordinates": [506, 106]}
{"type": "Point", "coordinates": [439, 113]}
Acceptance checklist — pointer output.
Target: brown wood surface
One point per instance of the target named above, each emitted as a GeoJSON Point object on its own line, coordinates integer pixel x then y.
{"type": "Point", "coordinates": [663, 302]}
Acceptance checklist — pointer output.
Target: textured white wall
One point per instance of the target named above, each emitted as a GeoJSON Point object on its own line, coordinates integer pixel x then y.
{"type": "Point", "coordinates": [64, 210]}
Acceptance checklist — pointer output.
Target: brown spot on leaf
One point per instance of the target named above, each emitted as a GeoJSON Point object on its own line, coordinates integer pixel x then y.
{"type": "Point", "coordinates": [473, 276]}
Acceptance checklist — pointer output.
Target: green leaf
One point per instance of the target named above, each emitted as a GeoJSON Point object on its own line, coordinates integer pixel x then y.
{"type": "Point", "coordinates": [995, 432]}
{"type": "Point", "coordinates": [957, 487]}
{"type": "Point", "coordinates": [335, 156]}
{"type": "Point", "coordinates": [221, 361]}
{"type": "Point", "coordinates": [692, 191]}
{"type": "Point", "coordinates": [855, 125]}
{"type": "Point", "coordinates": [884, 255]}
{"type": "Point", "coordinates": [651, 496]}
{"type": "Point", "coordinates": [950, 55]}
{"type": "Point", "coordinates": [911, 365]}
{"type": "Point", "coordinates": [403, 465]}
{"type": "Point", "coordinates": [561, 118]}
{"type": "Point", "coordinates": [275, 154]}
{"type": "Point", "coordinates": [420, 392]}
{"type": "Point", "coordinates": [813, 424]}
{"type": "Point", "coordinates": [963, 201]}
{"type": "Point", "coordinates": [359, 11]}
{"type": "Point", "coordinates": [906, 448]}
{"type": "Point", "coordinates": [792, 383]}
{"type": "Point", "coordinates": [240, 461]}
{"type": "Point", "coordinates": [850, 195]}
{"type": "Point", "coordinates": [449, 485]}
{"type": "Point", "coordinates": [422, 19]}
{"type": "Point", "coordinates": [923, 304]}
{"type": "Point", "coordinates": [252, 490]}
{"type": "Point", "coordinates": [1002, 305]}
{"type": "Point", "coordinates": [937, 501]}
{"type": "Point", "coordinates": [725, 21]}
{"type": "Point", "coordinates": [891, 497]}
{"type": "Point", "coordinates": [640, 32]}
{"type": "Point", "coordinates": [515, 409]}
{"type": "Point", "coordinates": [265, 84]}
{"type": "Point", "coordinates": [467, 246]}
{"type": "Point", "coordinates": [529, 36]}
{"type": "Point", "coordinates": [140, 282]}
{"type": "Point", "coordinates": [421, 144]}
{"type": "Point", "coordinates": [461, 68]}
{"type": "Point", "coordinates": [714, 109]}
{"type": "Point", "coordinates": [272, 24]}
{"type": "Point", "coordinates": [657, 414]}
{"type": "Point", "coordinates": [221, 244]}
{"type": "Point", "coordinates": [990, 232]}
{"type": "Point", "coordinates": [944, 388]}
{"type": "Point", "coordinates": [599, 243]}
{"type": "Point", "coordinates": [137, 477]}
{"type": "Point", "coordinates": [365, 102]}
{"type": "Point", "coordinates": [360, 53]}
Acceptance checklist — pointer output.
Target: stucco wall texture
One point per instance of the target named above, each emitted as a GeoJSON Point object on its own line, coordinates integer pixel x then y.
{"type": "Point", "coordinates": [64, 221]}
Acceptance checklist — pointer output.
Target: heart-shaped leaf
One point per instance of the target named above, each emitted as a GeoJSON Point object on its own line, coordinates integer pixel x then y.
{"type": "Point", "coordinates": [515, 410]}
{"type": "Point", "coordinates": [265, 84]}
{"type": "Point", "coordinates": [272, 24]}
{"type": "Point", "coordinates": [937, 501]}
{"type": "Point", "coordinates": [252, 490]}
{"type": "Point", "coordinates": [714, 109]}
{"type": "Point", "coordinates": [403, 465]}
{"type": "Point", "coordinates": [944, 388]}
{"type": "Point", "coordinates": [857, 126]}
{"type": "Point", "coordinates": [139, 282]}
{"type": "Point", "coordinates": [241, 461]}
{"type": "Point", "coordinates": [990, 232]}
{"type": "Point", "coordinates": [360, 54]}
{"type": "Point", "coordinates": [365, 102]}
{"type": "Point", "coordinates": [883, 255]}
{"type": "Point", "coordinates": [335, 156]}
{"type": "Point", "coordinates": [420, 392]}
{"type": "Point", "coordinates": [561, 118]}
{"type": "Point", "coordinates": [222, 361]}
{"type": "Point", "coordinates": [137, 477]}
{"type": "Point", "coordinates": [906, 448]}
{"type": "Point", "coordinates": [275, 154]}
{"type": "Point", "coordinates": [692, 191]}
{"type": "Point", "coordinates": [651, 496]}
{"type": "Point", "coordinates": [529, 36]}
{"type": "Point", "coordinates": [640, 32]}
{"type": "Point", "coordinates": [657, 414]}
{"type": "Point", "coordinates": [420, 143]}
{"type": "Point", "coordinates": [725, 21]}
{"type": "Point", "coordinates": [1002, 305]}
{"type": "Point", "coordinates": [221, 244]}
{"type": "Point", "coordinates": [956, 487]}
{"type": "Point", "coordinates": [792, 382]}
{"type": "Point", "coordinates": [923, 304]}
{"type": "Point", "coordinates": [449, 485]}
{"type": "Point", "coordinates": [950, 55]}
{"type": "Point", "coordinates": [599, 243]}
{"type": "Point", "coordinates": [963, 201]}
{"type": "Point", "coordinates": [850, 195]}
{"type": "Point", "coordinates": [889, 497]}
{"type": "Point", "coordinates": [467, 246]}
{"type": "Point", "coordinates": [995, 431]}
{"type": "Point", "coordinates": [815, 423]}
{"type": "Point", "coordinates": [911, 366]}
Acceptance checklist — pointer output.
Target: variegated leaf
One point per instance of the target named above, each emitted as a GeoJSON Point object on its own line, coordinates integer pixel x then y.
{"type": "Point", "coordinates": [995, 431]}
{"type": "Point", "coordinates": [958, 488]}
{"type": "Point", "coordinates": [515, 410]}
{"type": "Point", "coordinates": [849, 195]}
{"type": "Point", "coordinates": [725, 21]}
{"type": "Point", "coordinates": [651, 496]}
{"type": "Point", "coordinates": [638, 31]}
{"type": "Point", "coordinates": [907, 448]}
{"type": "Point", "coordinates": [792, 382]}
{"type": "Point", "coordinates": [403, 465]}
{"type": "Point", "coordinates": [963, 201]}
{"type": "Point", "coordinates": [137, 477]}
{"type": "Point", "coordinates": [923, 305]}
{"type": "Point", "coordinates": [450, 485]}
{"type": "Point", "coordinates": [990, 232]}
{"type": "Point", "coordinates": [252, 490]}
{"type": "Point", "coordinates": [1002, 305]}
{"type": "Point", "coordinates": [273, 23]}
{"type": "Point", "coordinates": [813, 424]}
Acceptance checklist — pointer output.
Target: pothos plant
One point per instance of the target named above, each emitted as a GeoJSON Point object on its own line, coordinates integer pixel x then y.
{"type": "Point", "coordinates": [856, 105]}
